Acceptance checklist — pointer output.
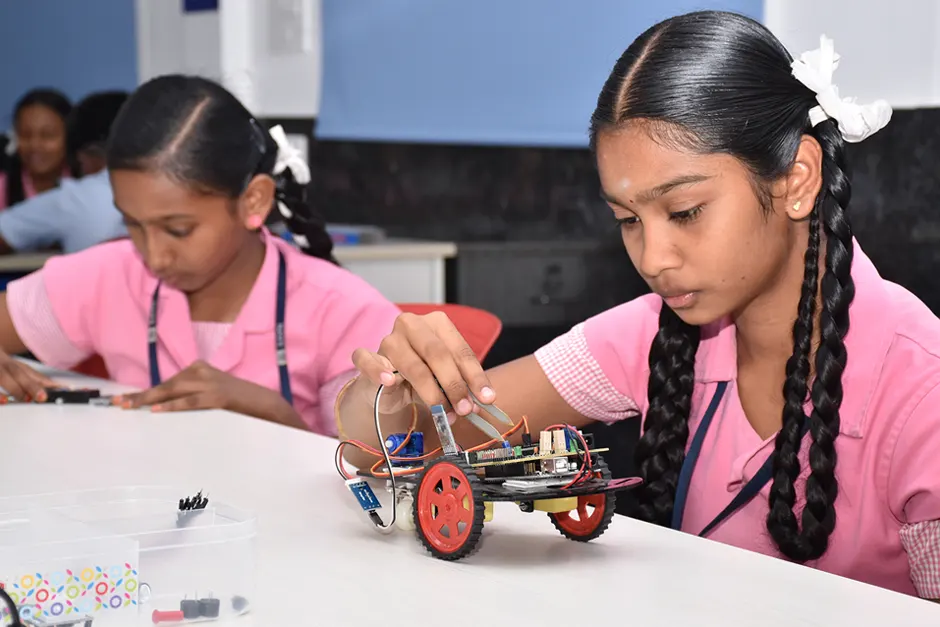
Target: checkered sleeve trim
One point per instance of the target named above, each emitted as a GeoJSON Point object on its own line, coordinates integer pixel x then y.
{"type": "Point", "coordinates": [922, 543]}
{"type": "Point", "coordinates": [580, 380]}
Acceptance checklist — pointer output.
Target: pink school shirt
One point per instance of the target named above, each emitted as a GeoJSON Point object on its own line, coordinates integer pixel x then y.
{"type": "Point", "coordinates": [97, 301]}
{"type": "Point", "coordinates": [888, 465]}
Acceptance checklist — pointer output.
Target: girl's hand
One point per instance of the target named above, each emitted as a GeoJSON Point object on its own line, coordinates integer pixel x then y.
{"type": "Point", "coordinates": [22, 382]}
{"type": "Point", "coordinates": [422, 349]}
{"type": "Point", "coordinates": [200, 386]}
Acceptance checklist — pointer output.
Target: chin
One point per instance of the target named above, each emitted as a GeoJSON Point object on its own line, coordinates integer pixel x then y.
{"type": "Point", "coordinates": [697, 315]}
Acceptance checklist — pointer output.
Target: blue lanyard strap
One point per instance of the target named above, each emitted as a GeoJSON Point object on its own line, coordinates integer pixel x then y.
{"type": "Point", "coordinates": [748, 492]}
{"type": "Point", "coordinates": [279, 339]}
{"type": "Point", "coordinates": [751, 489]}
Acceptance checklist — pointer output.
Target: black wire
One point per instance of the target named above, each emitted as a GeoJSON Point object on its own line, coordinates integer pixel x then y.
{"type": "Point", "coordinates": [14, 612]}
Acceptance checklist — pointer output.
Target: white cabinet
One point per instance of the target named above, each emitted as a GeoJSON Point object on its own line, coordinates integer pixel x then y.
{"type": "Point", "coordinates": [403, 271]}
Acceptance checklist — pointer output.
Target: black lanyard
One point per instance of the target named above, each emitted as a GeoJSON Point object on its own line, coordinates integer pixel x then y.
{"type": "Point", "coordinates": [751, 489]}
{"type": "Point", "coordinates": [279, 342]}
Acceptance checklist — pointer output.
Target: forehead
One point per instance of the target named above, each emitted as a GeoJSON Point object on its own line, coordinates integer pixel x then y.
{"type": "Point", "coordinates": [38, 114]}
{"type": "Point", "coordinates": [152, 195]}
{"type": "Point", "coordinates": [631, 160]}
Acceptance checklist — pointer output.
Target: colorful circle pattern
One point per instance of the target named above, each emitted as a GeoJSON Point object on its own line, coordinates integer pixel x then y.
{"type": "Point", "coordinates": [79, 591]}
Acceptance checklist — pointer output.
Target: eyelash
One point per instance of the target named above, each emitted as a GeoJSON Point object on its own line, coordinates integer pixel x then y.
{"type": "Point", "coordinates": [682, 217]}
{"type": "Point", "coordinates": [178, 234]}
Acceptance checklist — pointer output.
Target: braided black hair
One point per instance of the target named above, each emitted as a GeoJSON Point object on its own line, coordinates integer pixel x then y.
{"type": "Point", "coordinates": [51, 99]}
{"type": "Point", "coordinates": [720, 82]}
{"type": "Point", "coordinates": [197, 132]}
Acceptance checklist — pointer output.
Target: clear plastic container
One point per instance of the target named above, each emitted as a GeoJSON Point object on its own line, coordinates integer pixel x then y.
{"type": "Point", "coordinates": [118, 554]}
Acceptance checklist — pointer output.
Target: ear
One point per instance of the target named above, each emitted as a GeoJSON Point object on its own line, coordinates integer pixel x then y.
{"type": "Point", "coordinates": [804, 181]}
{"type": "Point", "coordinates": [256, 201]}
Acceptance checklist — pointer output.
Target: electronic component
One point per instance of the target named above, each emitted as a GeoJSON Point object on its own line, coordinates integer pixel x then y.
{"type": "Point", "coordinates": [239, 604]}
{"type": "Point", "coordinates": [414, 447]}
{"type": "Point", "coordinates": [439, 414]}
{"type": "Point", "coordinates": [364, 494]}
{"type": "Point", "coordinates": [166, 616]}
{"type": "Point", "coordinates": [193, 502]}
{"type": "Point", "coordinates": [545, 442]}
{"type": "Point", "coordinates": [555, 465]}
{"type": "Point", "coordinates": [68, 396]}
{"type": "Point", "coordinates": [189, 608]}
{"type": "Point", "coordinates": [209, 607]}
{"type": "Point", "coordinates": [560, 444]}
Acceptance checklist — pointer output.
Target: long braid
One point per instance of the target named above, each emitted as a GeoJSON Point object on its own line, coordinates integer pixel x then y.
{"type": "Point", "coordinates": [304, 222]}
{"type": "Point", "coordinates": [838, 290]}
{"type": "Point", "coordinates": [661, 450]}
{"type": "Point", "coordinates": [781, 522]}
{"type": "Point", "coordinates": [819, 517]}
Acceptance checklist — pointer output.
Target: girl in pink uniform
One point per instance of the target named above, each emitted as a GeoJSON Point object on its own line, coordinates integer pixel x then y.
{"type": "Point", "coordinates": [202, 306]}
{"type": "Point", "coordinates": [788, 394]}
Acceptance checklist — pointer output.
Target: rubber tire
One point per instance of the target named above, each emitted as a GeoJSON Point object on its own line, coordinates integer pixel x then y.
{"type": "Point", "coordinates": [610, 503]}
{"type": "Point", "coordinates": [472, 543]}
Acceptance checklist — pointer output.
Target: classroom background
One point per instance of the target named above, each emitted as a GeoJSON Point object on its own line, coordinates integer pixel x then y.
{"type": "Point", "coordinates": [453, 135]}
{"type": "Point", "coordinates": [447, 139]}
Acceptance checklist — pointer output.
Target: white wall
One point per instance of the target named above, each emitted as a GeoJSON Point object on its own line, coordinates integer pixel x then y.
{"type": "Point", "coordinates": [267, 53]}
{"type": "Point", "coordinates": [170, 41]}
{"type": "Point", "coordinates": [889, 49]}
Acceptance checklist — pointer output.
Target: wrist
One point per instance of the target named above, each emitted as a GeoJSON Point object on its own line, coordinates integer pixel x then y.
{"type": "Point", "coordinates": [261, 402]}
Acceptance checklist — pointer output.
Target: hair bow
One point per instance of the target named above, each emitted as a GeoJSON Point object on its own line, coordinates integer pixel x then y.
{"type": "Point", "coordinates": [856, 121]}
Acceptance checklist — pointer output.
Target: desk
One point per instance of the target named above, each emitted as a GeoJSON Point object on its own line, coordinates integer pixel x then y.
{"type": "Point", "coordinates": [316, 546]}
{"type": "Point", "coordinates": [404, 271]}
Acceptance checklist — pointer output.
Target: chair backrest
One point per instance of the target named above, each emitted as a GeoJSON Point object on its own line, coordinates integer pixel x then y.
{"type": "Point", "coordinates": [479, 327]}
{"type": "Point", "coordinates": [93, 367]}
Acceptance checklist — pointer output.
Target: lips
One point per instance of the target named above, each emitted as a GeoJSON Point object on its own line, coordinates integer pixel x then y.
{"type": "Point", "coordinates": [679, 299]}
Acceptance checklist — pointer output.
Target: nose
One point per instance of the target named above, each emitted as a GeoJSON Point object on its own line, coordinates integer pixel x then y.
{"type": "Point", "coordinates": [659, 252]}
{"type": "Point", "coordinates": [156, 254]}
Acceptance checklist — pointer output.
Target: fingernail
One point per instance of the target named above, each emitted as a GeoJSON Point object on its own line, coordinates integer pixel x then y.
{"type": "Point", "coordinates": [41, 397]}
{"type": "Point", "coordinates": [126, 404]}
{"type": "Point", "coordinates": [117, 400]}
{"type": "Point", "coordinates": [387, 378]}
{"type": "Point", "coordinates": [464, 407]}
{"type": "Point", "coordinates": [487, 394]}
{"type": "Point", "coordinates": [451, 417]}
{"type": "Point", "coordinates": [156, 408]}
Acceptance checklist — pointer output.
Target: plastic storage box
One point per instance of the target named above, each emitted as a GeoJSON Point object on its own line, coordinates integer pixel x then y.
{"type": "Point", "coordinates": [115, 555]}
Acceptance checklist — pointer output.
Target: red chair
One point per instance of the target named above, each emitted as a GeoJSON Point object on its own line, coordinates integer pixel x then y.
{"type": "Point", "coordinates": [479, 327]}
{"type": "Point", "coordinates": [93, 367]}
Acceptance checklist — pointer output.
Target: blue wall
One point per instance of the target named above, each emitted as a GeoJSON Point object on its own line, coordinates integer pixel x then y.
{"type": "Point", "coordinates": [480, 71]}
{"type": "Point", "coordinates": [77, 46]}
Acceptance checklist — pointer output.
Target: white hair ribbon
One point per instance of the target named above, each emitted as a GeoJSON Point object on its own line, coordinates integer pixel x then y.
{"type": "Point", "coordinates": [288, 157]}
{"type": "Point", "coordinates": [11, 144]}
{"type": "Point", "coordinates": [856, 122]}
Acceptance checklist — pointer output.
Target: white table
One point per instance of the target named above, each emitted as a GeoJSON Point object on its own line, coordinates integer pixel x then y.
{"type": "Point", "coordinates": [321, 563]}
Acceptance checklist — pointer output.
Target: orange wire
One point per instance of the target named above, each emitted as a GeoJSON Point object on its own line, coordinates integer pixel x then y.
{"type": "Point", "coordinates": [374, 470]}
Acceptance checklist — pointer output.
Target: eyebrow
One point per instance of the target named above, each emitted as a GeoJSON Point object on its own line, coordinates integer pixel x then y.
{"type": "Point", "coordinates": [650, 195]}
{"type": "Point", "coordinates": [175, 216]}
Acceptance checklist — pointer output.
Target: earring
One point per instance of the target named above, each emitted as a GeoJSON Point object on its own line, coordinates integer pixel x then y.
{"type": "Point", "coordinates": [796, 205]}
{"type": "Point", "coordinates": [254, 222]}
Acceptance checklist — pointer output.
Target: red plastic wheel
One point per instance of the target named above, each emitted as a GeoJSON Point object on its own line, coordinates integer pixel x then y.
{"type": "Point", "coordinates": [449, 509]}
{"type": "Point", "coordinates": [592, 515]}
